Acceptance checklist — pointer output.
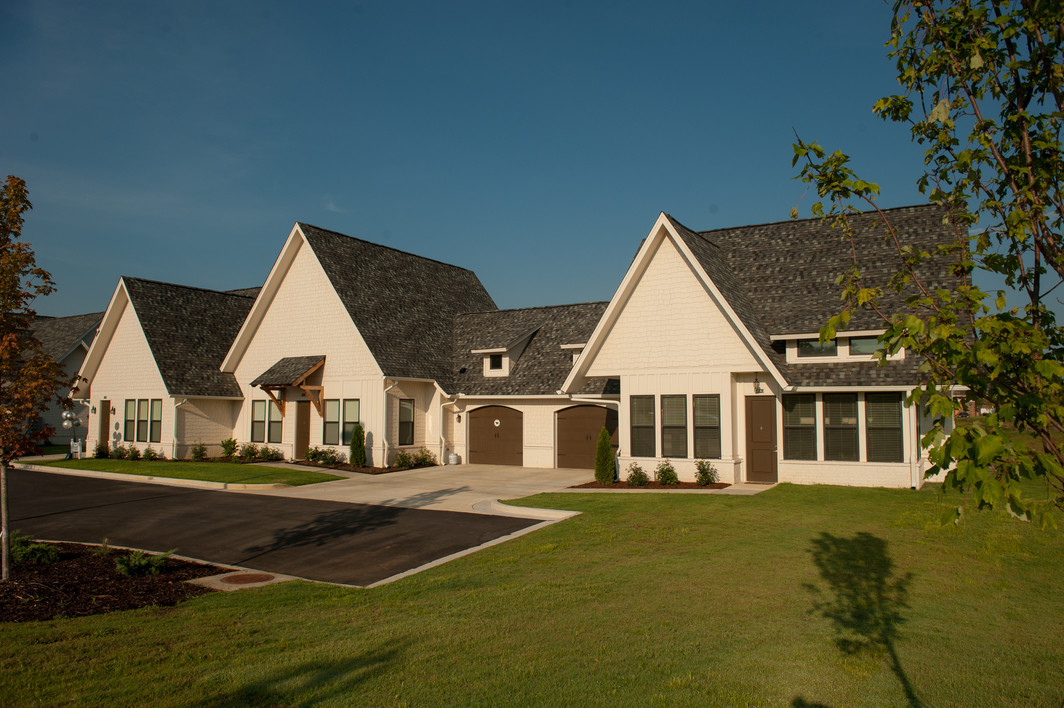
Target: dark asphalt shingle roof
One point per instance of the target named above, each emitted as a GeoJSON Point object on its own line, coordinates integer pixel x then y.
{"type": "Point", "coordinates": [189, 331]}
{"type": "Point", "coordinates": [287, 370]}
{"type": "Point", "coordinates": [543, 366]}
{"type": "Point", "coordinates": [60, 335]}
{"type": "Point", "coordinates": [403, 305]}
{"type": "Point", "coordinates": [780, 278]}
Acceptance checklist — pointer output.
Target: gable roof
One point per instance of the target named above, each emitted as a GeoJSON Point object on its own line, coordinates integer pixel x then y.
{"type": "Point", "coordinates": [543, 365]}
{"type": "Point", "coordinates": [189, 331]}
{"type": "Point", "coordinates": [60, 336]}
{"type": "Point", "coordinates": [288, 370]}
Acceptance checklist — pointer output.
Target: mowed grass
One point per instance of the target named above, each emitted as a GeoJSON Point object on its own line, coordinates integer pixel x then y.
{"type": "Point", "coordinates": [650, 599]}
{"type": "Point", "coordinates": [229, 473]}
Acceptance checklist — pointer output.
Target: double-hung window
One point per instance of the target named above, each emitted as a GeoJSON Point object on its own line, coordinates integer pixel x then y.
{"type": "Point", "coordinates": [142, 420]}
{"type": "Point", "coordinates": [330, 424]}
{"type": "Point", "coordinates": [275, 424]}
{"type": "Point", "coordinates": [155, 423]}
{"type": "Point", "coordinates": [707, 426]}
{"type": "Point", "coordinates": [642, 421]}
{"type": "Point", "coordinates": [799, 426]}
{"type": "Point", "coordinates": [258, 421]}
{"type": "Point", "coordinates": [674, 426]}
{"type": "Point", "coordinates": [883, 427]}
{"type": "Point", "coordinates": [351, 419]}
{"type": "Point", "coordinates": [129, 431]}
{"type": "Point", "coordinates": [840, 427]}
{"type": "Point", "coordinates": [406, 421]}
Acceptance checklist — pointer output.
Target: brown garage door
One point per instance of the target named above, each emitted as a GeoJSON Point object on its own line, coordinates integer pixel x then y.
{"type": "Point", "coordinates": [496, 436]}
{"type": "Point", "coordinates": [578, 433]}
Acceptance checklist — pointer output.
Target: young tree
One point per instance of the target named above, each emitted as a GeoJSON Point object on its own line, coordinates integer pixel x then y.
{"type": "Point", "coordinates": [29, 379]}
{"type": "Point", "coordinates": [983, 90]}
{"type": "Point", "coordinates": [358, 446]}
{"type": "Point", "coordinates": [605, 465]}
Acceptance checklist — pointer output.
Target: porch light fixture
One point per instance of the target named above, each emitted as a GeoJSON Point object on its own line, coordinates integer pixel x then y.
{"type": "Point", "coordinates": [757, 385]}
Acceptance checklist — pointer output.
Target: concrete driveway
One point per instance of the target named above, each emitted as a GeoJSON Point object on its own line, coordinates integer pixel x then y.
{"type": "Point", "coordinates": [468, 488]}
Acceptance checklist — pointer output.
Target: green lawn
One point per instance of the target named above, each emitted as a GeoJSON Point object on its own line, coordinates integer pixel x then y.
{"type": "Point", "coordinates": [798, 596]}
{"type": "Point", "coordinates": [206, 471]}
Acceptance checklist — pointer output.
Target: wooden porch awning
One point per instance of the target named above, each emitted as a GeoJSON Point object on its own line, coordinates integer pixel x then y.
{"type": "Point", "coordinates": [292, 371]}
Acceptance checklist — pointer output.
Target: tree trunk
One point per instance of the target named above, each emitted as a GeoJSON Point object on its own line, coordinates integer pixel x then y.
{"type": "Point", "coordinates": [5, 533]}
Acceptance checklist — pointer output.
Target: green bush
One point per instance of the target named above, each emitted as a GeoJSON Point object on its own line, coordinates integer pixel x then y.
{"type": "Point", "coordinates": [249, 451]}
{"type": "Point", "coordinates": [636, 476]}
{"type": "Point", "coordinates": [605, 465]}
{"type": "Point", "coordinates": [199, 452]}
{"type": "Point", "coordinates": [404, 460]}
{"type": "Point", "coordinates": [229, 446]}
{"type": "Point", "coordinates": [25, 550]}
{"type": "Point", "coordinates": [119, 452]}
{"type": "Point", "coordinates": [133, 452]}
{"type": "Point", "coordinates": [358, 446]}
{"type": "Point", "coordinates": [101, 452]}
{"type": "Point", "coordinates": [665, 474]}
{"type": "Point", "coordinates": [141, 563]}
{"type": "Point", "coordinates": [424, 458]}
{"type": "Point", "coordinates": [705, 473]}
{"type": "Point", "coordinates": [151, 453]}
{"type": "Point", "coordinates": [270, 454]}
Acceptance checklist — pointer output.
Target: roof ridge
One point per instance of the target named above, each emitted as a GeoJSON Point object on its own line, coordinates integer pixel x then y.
{"type": "Point", "coordinates": [381, 245]}
{"type": "Point", "coordinates": [534, 307]}
{"type": "Point", "coordinates": [186, 287]}
{"type": "Point", "coordinates": [870, 212]}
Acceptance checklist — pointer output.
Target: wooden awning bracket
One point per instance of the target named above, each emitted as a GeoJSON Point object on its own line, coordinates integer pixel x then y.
{"type": "Point", "coordinates": [314, 393]}
{"type": "Point", "coordinates": [269, 392]}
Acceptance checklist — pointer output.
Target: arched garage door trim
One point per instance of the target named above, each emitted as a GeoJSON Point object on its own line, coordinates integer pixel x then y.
{"type": "Point", "coordinates": [577, 430]}
{"type": "Point", "coordinates": [496, 436]}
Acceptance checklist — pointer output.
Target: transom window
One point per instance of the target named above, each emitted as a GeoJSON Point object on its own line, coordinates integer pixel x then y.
{"type": "Point", "coordinates": [863, 346]}
{"type": "Point", "coordinates": [814, 347]}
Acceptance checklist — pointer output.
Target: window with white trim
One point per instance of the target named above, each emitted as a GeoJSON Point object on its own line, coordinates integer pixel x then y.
{"type": "Point", "coordinates": [840, 427]}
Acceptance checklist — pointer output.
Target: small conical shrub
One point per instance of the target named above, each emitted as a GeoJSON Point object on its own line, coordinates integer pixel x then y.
{"type": "Point", "coordinates": [358, 446]}
{"type": "Point", "coordinates": [605, 465]}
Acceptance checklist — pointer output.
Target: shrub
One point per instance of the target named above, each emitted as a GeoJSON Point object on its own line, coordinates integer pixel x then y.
{"type": "Point", "coordinates": [636, 476]}
{"type": "Point", "coordinates": [358, 446]}
{"type": "Point", "coordinates": [404, 459]}
{"type": "Point", "coordinates": [101, 452]}
{"type": "Point", "coordinates": [249, 451]}
{"type": "Point", "coordinates": [199, 452]}
{"type": "Point", "coordinates": [140, 563]}
{"type": "Point", "coordinates": [133, 452]}
{"type": "Point", "coordinates": [151, 454]}
{"type": "Point", "coordinates": [270, 454]}
{"type": "Point", "coordinates": [119, 452]}
{"type": "Point", "coordinates": [605, 465]}
{"type": "Point", "coordinates": [24, 550]}
{"type": "Point", "coordinates": [665, 474]}
{"type": "Point", "coordinates": [424, 458]}
{"type": "Point", "coordinates": [705, 473]}
{"type": "Point", "coordinates": [229, 447]}
{"type": "Point", "coordinates": [312, 455]}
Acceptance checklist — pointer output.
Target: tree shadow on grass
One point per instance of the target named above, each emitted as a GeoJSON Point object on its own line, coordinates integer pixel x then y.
{"type": "Point", "coordinates": [309, 683]}
{"type": "Point", "coordinates": [863, 599]}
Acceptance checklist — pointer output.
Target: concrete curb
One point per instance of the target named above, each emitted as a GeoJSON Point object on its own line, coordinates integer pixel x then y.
{"type": "Point", "coordinates": [496, 507]}
{"type": "Point", "coordinates": [170, 481]}
{"type": "Point", "coordinates": [745, 490]}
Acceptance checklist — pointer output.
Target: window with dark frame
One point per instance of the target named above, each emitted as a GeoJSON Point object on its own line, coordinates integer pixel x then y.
{"type": "Point", "coordinates": [495, 362]}
{"type": "Point", "coordinates": [707, 426]}
{"type": "Point", "coordinates": [814, 347]}
{"type": "Point", "coordinates": [258, 421]}
{"type": "Point", "coordinates": [330, 422]}
{"type": "Point", "coordinates": [674, 426]}
{"type": "Point", "coordinates": [799, 426]}
{"type": "Point", "coordinates": [142, 420]}
{"type": "Point", "coordinates": [275, 424]}
{"type": "Point", "coordinates": [406, 421]}
{"type": "Point", "coordinates": [155, 424]}
{"type": "Point", "coordinates": [351, 410]}
{"type": "Point", "coordinates": [642, 426]}
{"type": "Point", "coordinates": [883, 427]}
{"type": "Point", "coordinates": [840, 427]}
{"type": "Point", "coordinates": [129, 430]}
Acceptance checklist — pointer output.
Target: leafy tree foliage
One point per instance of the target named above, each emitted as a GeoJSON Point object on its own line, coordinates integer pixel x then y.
{"type": "Point", "coordinates": [983, 90]}
{"type": "Point", "coordinates": [29, 379]}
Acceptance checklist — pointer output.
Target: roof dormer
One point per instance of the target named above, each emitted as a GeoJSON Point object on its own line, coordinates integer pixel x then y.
{"type": "Point", "coordinates": [499, 360]}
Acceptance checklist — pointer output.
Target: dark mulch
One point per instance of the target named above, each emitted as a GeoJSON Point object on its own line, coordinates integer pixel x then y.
{"type": "Point", "coordinates": [84, 581]}
{"type": "Point", "coordinates": [652, 486]}
{"type": "Point", "coordinates": [344, 467]}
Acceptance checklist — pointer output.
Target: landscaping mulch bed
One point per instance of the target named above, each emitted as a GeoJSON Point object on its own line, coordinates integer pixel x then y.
{"type": "Point", "coordinates": [344, 467]}
{"type": "Point", "coordinates": [650, 486]}
{"type": "Point", "coordinates": [84, 581]}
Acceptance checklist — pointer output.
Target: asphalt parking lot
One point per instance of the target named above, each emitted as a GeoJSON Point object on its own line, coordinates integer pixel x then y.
{"type": "Point", "coordinates": [328, 541]}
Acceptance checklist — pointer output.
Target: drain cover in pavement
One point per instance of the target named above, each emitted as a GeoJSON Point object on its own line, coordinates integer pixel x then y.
{"type": "Point", "coordinates": [247, 578]}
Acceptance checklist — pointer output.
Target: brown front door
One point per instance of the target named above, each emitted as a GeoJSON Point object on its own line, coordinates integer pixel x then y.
{"type": "Point", "coordinates": [302, 429]}
{"type": "Point", "coordinates": [761, 439]}
{"type": "Point", "coordinates": [579, 428]}
{"type": "Point", "coordinates": [496, 436]}
{"type": "Point", "coordinates": [103, 436]}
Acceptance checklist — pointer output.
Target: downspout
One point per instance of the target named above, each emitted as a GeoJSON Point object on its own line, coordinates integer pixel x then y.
{"type": "Point", "coordinates": [915, 451]}
{"type": "Point", "coordinates": [173, 431]}
{"type": "Point", "coordinates": [384, 416]}
{"type": "Point", "coordinates": [443, 403]}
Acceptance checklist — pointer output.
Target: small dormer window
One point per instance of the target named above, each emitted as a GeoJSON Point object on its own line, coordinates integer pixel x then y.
{"type": "Point", "coordinates": [495, 362]}
{"type": "Point", "coordinates": [814, 347]}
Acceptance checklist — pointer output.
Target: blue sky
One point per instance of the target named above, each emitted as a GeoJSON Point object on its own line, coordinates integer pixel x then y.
{"type": "Point", "coordinates": [534, 143]}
